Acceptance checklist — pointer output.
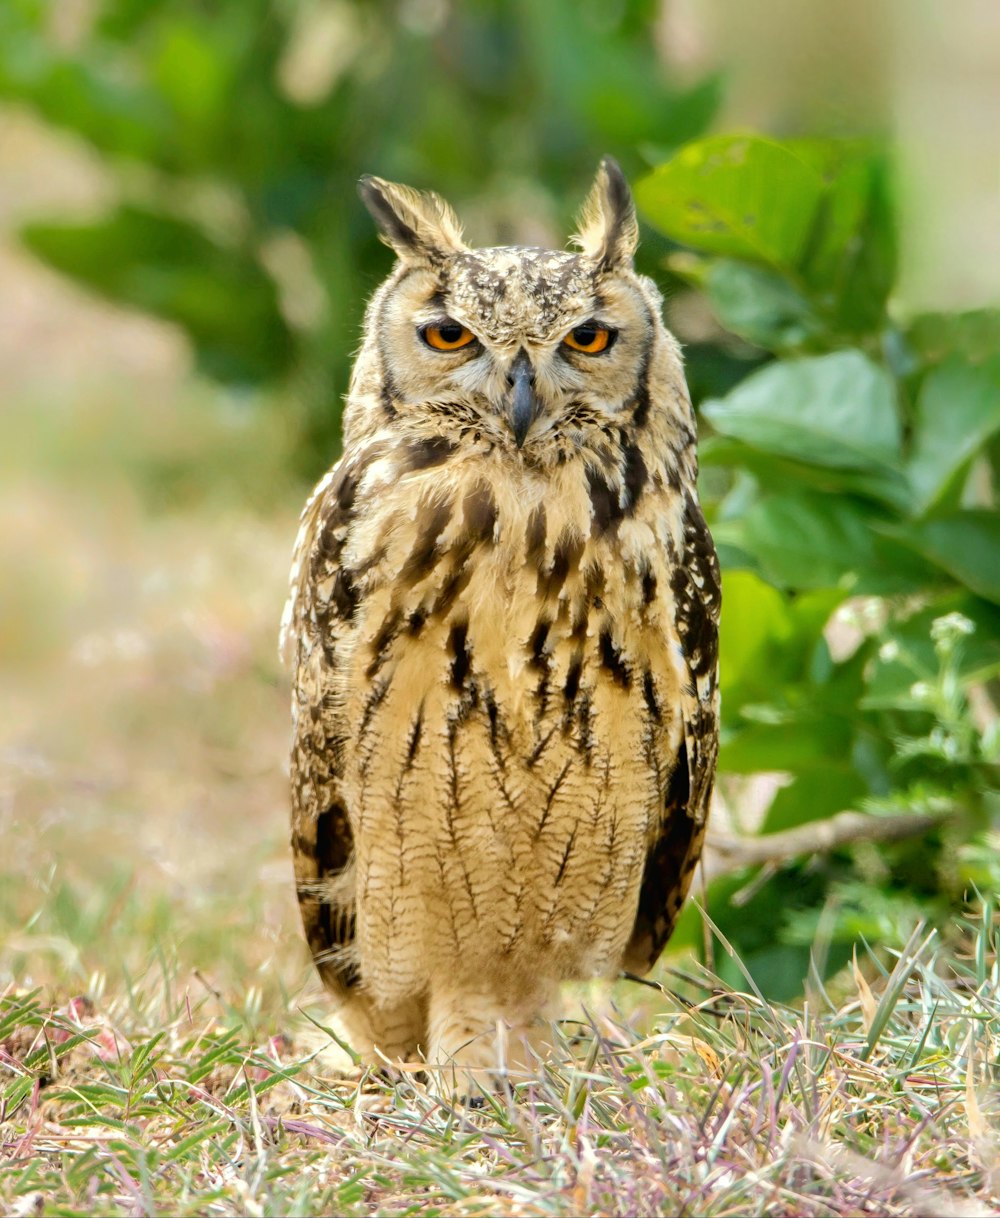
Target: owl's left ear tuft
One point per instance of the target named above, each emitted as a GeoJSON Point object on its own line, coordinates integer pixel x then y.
{"type": "Point", "coordinates": [419, 226]}
{"type": "Point", "coordinates": [608, 230]}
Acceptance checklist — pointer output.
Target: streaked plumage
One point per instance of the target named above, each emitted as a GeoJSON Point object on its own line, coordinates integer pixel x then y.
{"type": "Point", "coordinates": [503, 628]}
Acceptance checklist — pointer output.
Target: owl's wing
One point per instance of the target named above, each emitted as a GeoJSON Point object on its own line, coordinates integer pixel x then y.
{"type": "Point", "coordinates": [317, 620]}
{"type": "Point", "coordinates": [673, 854]}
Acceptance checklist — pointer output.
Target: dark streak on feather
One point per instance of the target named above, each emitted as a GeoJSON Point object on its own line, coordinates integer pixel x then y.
{"type": "Point", "coordinates": [426, 453]}
{"type": "Point", "coordinates": [413, 744]}
{"type": "Point", "coordinates": [459, 650]}
{"type": "Point", "coordinates": [375, 700]}
{"type": "Point", "coordinates": [585, 714]}
{"type": "Point", "coordinates": [649, 694]}
{"type": "Point", "coordinates": [634, 475]}
{"type": "Point", "coordinates": [480, 511]}
{"type": "Point", "coordinates": [332, 853]}
{"type": "Point", "coordinates": [611, 659]}
{"type": "Point", "coordinates": [565, 558]}
{"type": "Point", "coordinates": [697, 607]}
{"type": "Point", "coordinates": [497, 726]}
{"type": "Point", "coordinates": [535, 536]}
{"type": "Point", "coordinates": [565, 858]}
{"type": "Point", "coordinates": [426, 551]}
{"type": "Point", "coordinates": [572, 686]}
{"type": "Point", "coordinates": [540, 747]}
{"type": "Point", "coordinates": [541, 662]}
{"type": "Point", "coordinates": [603, 502]}
{"type": "Point", "coordinates": [455, 582]}
{"type": "Point", "coordinates": [344, 595]}
{"type": "Point", "coordinates": [642, 401]}
{"type": "Point", "coordinates": [390, 394]}
{"type": "Point", "coordinates": [382, 642]}
{"type": "Point", "coordinates": [453, 803]}
{"type": "Point", "coordinates": [539, 656]}
{"type": "Point", "coordinates": [550, 798]}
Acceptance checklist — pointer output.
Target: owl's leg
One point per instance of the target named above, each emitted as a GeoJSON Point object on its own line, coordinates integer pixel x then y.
{"type": "Point", "coordinates": [377, 1035]}
{"type": "Point", "coordinates": [473, 1036]}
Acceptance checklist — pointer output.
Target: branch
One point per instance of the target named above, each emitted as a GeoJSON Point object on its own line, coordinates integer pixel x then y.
{"type": "Point", "coordinates": [726, 853]}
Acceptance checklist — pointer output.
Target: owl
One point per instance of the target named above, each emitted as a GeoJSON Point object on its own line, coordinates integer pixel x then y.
{"type": "Point", "coordinates": [502, 625]}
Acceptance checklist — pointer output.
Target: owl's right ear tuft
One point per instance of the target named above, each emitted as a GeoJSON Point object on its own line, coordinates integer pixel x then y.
{"type": "Point", "coordinates": [419, 226]}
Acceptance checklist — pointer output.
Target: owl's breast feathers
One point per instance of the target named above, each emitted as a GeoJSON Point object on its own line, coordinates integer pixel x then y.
{"type": "Point", "coordinates": [506, 706]}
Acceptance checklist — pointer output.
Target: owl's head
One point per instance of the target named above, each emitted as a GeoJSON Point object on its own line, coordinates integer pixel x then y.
{"type": "Point", "coordinates": [532, 349]}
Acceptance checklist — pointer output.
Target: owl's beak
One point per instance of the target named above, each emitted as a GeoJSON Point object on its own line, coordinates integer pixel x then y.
{"type": "Point", "coordinates": [522, 405]}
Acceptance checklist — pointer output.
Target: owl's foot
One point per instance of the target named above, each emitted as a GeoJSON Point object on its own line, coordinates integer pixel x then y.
{"type": "Point", "coordinates": [365, 1035]}
{"type": "Point", "coordinates": [475, 1042]}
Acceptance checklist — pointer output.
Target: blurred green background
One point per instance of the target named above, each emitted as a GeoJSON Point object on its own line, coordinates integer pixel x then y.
{"type": "Point", "coordinates": [183, 267]}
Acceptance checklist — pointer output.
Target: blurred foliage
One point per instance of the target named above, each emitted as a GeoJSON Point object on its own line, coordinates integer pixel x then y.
{"type": "Point", "coordinates": [850, 483]}
{"type": "Point", "coordinates": [848, 455]}
{"type": "Point", "coordinates": [237, 131]}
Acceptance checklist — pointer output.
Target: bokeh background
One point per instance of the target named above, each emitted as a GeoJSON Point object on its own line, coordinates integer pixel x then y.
{"type": "Point", "coordinates": [183, 267]}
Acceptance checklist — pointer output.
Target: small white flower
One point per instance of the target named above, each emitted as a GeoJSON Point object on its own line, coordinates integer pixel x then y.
{"type": "Point", "coordinates": [951, 626]}
{"type": "Point", "coordinates": [920, 691]}
{"type": "Point", "coordinates": [889, 651]}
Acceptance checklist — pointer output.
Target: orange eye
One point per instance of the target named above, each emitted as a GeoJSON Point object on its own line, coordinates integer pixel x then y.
{"type": "Point", "coordinates": [447, 335]}
{"type": "Point", "coordinates": [590, 338]}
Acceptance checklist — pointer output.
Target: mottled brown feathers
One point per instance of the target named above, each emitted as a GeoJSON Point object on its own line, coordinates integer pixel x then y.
{"type": "Point", "coordinates": [503, 633]}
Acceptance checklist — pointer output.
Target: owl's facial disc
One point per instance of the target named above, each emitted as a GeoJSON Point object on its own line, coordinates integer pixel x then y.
{"type": "Point", "coordinates": [536, 349]}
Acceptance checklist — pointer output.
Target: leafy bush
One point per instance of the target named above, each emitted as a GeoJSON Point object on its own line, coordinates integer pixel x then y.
{"type": "Point", "coordinates": [849, 485]}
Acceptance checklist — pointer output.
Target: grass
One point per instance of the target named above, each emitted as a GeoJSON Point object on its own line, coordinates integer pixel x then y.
{"type": "Point", "coordinates": [148, 1102]}
{"type": "Point", "coordinates": [156, 1050]}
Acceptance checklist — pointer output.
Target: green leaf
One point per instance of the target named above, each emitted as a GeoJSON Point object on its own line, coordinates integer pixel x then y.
{"type": "Point", "coordinates": [834, 410]}
{"type": "Point", "coordinates": [804, 540]}
{"type": "Point", "coordinates": [957, 412]}
{"type": "Point", "coordinates": [897, 570]}
{"type": "Point", "coordinates": [219, 294]}
{"type": "Point", "coordinates": [817, 212]}
{"type": "Point", "coordinates": [808, 541]}
{"type": "Point", "coordinates": [870, 260]}
{"type": "Point", "coordinates": [966, 544]}
{"type": "Point", "coordinates": [738, 196]}
{"type": "Point", "coordinates": [886, 486]}
{"type": "Point", "coordinates": [790, 745]}
{"type": "Point", "coordinates": [850, 258]}
{"type": "Point", "coordinates": [975, 335]}
{"type": "Point", "coordinates": [766, 638]}
{"type": "Point", "coordinates": [816, 793]}
{"type": "Point", "coordinates": [760, 306]}
{"type": "Point", "coordinates": [756, 629]}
